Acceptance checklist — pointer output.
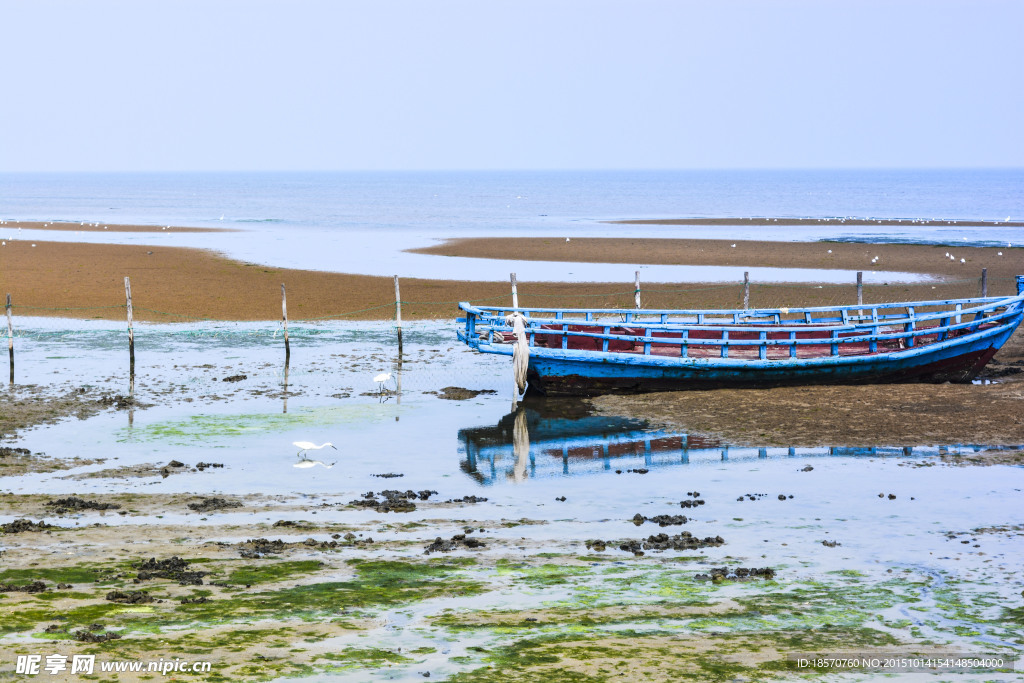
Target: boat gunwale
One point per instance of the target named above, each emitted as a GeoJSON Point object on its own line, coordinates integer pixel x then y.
{"type": "Point", "coordinates": [653, 360]}
{"type": "Point", "coordinates": [486, 313]}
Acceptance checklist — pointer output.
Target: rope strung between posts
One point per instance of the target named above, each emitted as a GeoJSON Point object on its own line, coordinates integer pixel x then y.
{"type": "Point", "coordinates": [521, 349]}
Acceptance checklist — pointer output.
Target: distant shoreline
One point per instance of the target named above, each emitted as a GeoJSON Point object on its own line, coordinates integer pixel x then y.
{"type": "Point", "coordinates": [790, 222]}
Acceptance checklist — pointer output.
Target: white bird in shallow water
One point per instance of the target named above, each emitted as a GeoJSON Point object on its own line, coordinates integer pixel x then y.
{"type": "Point", "coordinates": [381, 379]}
{"type": "Point", "coordinates": [304, 446]}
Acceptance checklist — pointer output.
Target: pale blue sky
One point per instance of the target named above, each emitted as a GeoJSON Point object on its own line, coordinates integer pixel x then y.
{"type": "Point", "coordinates": [479, 84]}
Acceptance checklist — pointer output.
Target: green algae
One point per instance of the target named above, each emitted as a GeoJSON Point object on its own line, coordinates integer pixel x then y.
{"type": "Point", "coordinates": [273, 571]}
{"type": "Point", "coordinates": [362, 658]}
{"type": "Point", "coordinates": [652, 654]}
{"type": "Point", "coordinates": [79, 573]}
{"type": "Point", "coordinates": [203, 428]}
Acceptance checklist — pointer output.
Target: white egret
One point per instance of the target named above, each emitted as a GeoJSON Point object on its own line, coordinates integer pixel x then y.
{"type": "Point", "coordinates": [304, 446]}
{"type": "Point", "coordinates": [381, 379]}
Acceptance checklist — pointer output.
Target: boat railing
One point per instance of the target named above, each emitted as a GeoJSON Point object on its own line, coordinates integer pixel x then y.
{"type": "Point", "coordinates": [772, 316]}
{"type": "Point", "coordinates": [854, 335]}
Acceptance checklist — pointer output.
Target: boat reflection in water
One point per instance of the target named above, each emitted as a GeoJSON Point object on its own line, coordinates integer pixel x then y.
{"type": "Point", "coordinates": [555, 438]}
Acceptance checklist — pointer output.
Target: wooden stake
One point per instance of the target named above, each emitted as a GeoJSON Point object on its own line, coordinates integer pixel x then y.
{"type": "Point", "coordinates": [984, 282]}
{"type": "Point", "coordinates": [398, 316]}
{"type": "Point", "coordinates": [636, 289]}
{"type": "Point", "coordinates": [860, 288]}
{"type": "Point", "coordinates": [515, 291]}
{"type": "Point", "coordinates": [746, 290]}
{"type": "Point", "coordinates": [131, 331]}
{"type": "Point", "coordinates": [284, 321]}
{"type": "Point", "coordinates": [10, 337]}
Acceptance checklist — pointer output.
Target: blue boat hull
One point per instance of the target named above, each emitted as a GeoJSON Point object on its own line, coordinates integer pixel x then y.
{"type": "Point", "coordinates": [586, 352]}
{"type": "Point", "coordinates": [556, 372]}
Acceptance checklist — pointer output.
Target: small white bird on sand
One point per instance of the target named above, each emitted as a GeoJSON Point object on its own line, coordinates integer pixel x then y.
{"type": "Point", "coordinates": [733, 246]}
{"type": "Point", "coordinates": [567, 239]}
{"type": "Point", "coordinates": [304, 446]}
{"type": "Point", "coordinates": [999, 254]}
{"type": "Point", "coordinates": [830, 251]}
{"type": "Point", "coordinates": [962, 261]}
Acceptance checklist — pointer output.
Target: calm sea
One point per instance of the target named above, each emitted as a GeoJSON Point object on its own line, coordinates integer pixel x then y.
{"type": "Point", "coordinates": [358, 222]}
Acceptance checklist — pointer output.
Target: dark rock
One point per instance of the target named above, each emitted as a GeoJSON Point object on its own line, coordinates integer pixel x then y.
{"type": "Point", "coordinates": [235, 378]}
{"type": "Point", "coordinates": [173, 568]}
{"type": "Point", "coordinates": [660, 520]}
{"type": "Point", "coordinates": [130, 598]}
{"type": "Point", "coordinates": [457, 541]}
{"type": "Point", "coordinates": [468, 499]}
{"type": "Point", "coordinates": [461, 393]}
{"type": "Point", "coordinates": [256, 548]}
{"type": "Point", "coordinates": [20, 525]}
{"type": "Point", "coordinates": [64, 505]}
{"type": "Point", "coordinates": [90, 637]}
{"type": "Point", "coordinates": [34, 587]}
{"type": "Point", "coordinates": [720, 574]}
{"type": "Point", "coordinates": [211, 504]}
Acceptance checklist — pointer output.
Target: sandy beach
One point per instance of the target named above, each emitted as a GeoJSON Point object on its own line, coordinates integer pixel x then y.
{"type": "Point", "coordinates": [176, 284]}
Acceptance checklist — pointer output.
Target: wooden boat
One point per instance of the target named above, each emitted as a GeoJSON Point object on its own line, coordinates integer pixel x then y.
{"type": "Point", "coordinates": [586, 352]}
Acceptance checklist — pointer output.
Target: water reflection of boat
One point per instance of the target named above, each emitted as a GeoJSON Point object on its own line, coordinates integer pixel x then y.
{"type": "Point", "coordinates": [537, 442]}
{"type": "Point", "coordinates": [596, 351]}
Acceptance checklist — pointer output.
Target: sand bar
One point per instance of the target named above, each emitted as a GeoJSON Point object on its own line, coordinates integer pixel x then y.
{"type": "Point", "coordinates": [71, 226]}
{"type": "Point", "coordinates": [174, 284]}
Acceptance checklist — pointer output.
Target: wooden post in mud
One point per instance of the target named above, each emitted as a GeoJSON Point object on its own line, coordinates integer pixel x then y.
{"type": "Point", "coordinates": [10, 337]}
{"type": "Point", "coordinates": [860, 288]}
{"type": "Point", "coordinates": [984, 282]}
{"type": "Point", "coordinates": [131, 331]}
{"type": "Point", "coordinates": [746, 290]}
{"type": "Point", "coordinates": [284, 322]}
{"type": "Point", "coordinates": [636, 289]}
{"type": "Point", "coordinates": [515, 291]}
{"type": "Point", "coordinates": [398, 316]}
